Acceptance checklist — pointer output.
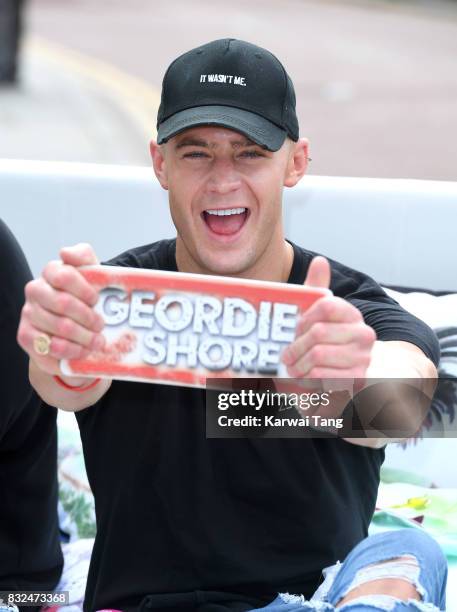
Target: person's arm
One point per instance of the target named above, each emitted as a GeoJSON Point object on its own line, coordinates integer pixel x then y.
{"type": "Point", "coordinates": [59, 305]}
{"type": "Point", "coordinates": [334, 342]}
{"type": "Point", "coordinates": [400, 400]}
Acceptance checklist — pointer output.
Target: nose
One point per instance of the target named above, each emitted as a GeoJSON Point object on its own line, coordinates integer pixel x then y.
{"type": "Point", "coordinates": [223, 178]}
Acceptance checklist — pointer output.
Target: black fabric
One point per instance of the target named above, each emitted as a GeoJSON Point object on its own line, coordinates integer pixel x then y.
{"type": "Point", "coordinates": [190, 523]}
{"type": "Point", "coordinates": [402, 289]}
{"type": "Point", "coordinates": [30, 555]}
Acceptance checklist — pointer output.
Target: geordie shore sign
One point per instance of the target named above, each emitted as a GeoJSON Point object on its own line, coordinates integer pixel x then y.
{"type": "Point", "coordinates": [181, 329]}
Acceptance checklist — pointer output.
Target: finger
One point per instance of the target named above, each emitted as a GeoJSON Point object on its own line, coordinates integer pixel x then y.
{"type": "Point", "coordinates": [319, 273]}
{"type": "Point", "coordinates": [329, 374]}
{"type": "Point", "coordinates": [81, 254]}
{"type": "Point", "coordinates": [65, 349]}
{"type": "Point", "coordinates": [328, 309]}
{"type": "Point", "coordinates": [331, 356]}
{"type": "Point", "coordinates": [58, 348]}
{"type": "Point", "coordinates": [64, 327]}
{"type": "Point", "coordinates": [47, 364]}
{"type": "Point", "coordinates": [67, 278]}
{"type": "Point", "coordinates": [61, 303]}
{"type": "Point", "coordinates": [328, 333]}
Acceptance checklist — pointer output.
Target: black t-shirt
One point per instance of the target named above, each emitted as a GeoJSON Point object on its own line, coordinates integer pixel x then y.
{"type": "Point", "coordinates": [30, 555]}
{"type": "Point", "coordinates": [190, 523]}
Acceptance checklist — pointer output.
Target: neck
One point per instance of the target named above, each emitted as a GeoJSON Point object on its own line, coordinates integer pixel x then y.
{"type": "Point", "coordinates": [276, 266]}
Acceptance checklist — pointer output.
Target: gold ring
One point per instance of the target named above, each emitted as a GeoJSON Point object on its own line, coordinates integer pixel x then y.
{"type": "Point", "coordinates": [42, 344]}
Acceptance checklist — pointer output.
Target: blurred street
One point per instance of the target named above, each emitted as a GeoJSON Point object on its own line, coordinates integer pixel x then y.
{"type": "Point", "coordinates": [376, 81]}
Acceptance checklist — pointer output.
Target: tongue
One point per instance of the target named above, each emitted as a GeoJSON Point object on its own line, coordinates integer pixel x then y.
{"type": "Point", "coordinates": [225, 224]}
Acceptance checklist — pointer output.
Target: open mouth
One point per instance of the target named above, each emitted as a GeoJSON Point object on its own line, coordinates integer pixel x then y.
{"type": "Point", "coordinates": [225, 221]}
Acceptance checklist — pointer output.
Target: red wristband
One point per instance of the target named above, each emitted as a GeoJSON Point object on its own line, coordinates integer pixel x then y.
{"type": "Point", "coordinates": [81, 389]}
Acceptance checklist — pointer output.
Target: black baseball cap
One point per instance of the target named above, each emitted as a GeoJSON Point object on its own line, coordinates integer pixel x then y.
{"type": "Point", "coordinates": [233, 84]}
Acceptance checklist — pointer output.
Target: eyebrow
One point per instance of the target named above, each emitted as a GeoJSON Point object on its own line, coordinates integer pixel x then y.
{"type": "Point", "coordinates": [196, 142]}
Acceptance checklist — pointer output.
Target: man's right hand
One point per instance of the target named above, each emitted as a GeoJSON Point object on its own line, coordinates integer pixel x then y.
{"type": "Point", "coordinates": [60, 305]}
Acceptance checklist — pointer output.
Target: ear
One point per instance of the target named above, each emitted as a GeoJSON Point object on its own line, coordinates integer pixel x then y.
{"type": "Point", "coordinates": [297, 163]}
{"type": "Point", "coordinates": [159, 163]}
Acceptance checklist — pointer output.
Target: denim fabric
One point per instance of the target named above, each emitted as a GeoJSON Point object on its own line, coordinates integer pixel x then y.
{"type": "Point", "coordinates": [339, 578]}
{"type": "Point", "coordinates": [5, 607]}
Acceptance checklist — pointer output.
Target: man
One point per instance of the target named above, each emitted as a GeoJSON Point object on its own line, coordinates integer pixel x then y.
{"type": "Point", "coordinates": [30, 555]}
{"type": "Point", "coordinates": [189, 523]}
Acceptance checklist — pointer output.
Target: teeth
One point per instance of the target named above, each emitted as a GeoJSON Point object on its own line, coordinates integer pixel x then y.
{"type": "Point", "coordinates": [227, 211]}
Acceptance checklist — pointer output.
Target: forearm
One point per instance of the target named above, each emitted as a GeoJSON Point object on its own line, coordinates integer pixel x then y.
{"type": "Point", "coordinates": [397, 359]}
{"type": "Point", "coordinates": [401, 381]}
{"type": "Point", "coordinates": [66, 399]}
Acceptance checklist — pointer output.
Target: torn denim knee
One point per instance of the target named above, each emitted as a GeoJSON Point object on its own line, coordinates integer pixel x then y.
{"type": "Point", "coordinates": [386, 603]}
{"type": "Point", "coordinates": [405, 568]}
{"type": "Point", "coordinates": [429, 577]}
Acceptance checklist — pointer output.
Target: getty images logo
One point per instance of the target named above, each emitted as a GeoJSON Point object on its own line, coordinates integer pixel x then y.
{"type": "Point", "coordinates": [229, 79]}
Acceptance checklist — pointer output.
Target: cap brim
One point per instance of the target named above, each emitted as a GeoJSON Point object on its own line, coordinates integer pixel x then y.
{"type": "Point", "coordinates": [256, 128]}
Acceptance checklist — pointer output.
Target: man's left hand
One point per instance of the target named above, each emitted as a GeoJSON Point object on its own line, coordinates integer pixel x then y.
{"type": "Point", "coordinates": [332, 340]}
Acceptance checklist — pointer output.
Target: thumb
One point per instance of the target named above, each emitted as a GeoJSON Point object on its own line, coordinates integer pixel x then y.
{"type": "Point", "coordinates": [319, 273]}
{"type": "Point", "coordinates": [81, 254]}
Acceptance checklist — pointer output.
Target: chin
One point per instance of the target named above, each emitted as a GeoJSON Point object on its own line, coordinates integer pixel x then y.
{"type": "Point", "coordinates": [225, 265]}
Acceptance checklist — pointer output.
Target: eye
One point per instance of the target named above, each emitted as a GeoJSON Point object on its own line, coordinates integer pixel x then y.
{"type": "Point", "coordinates": [251, 154]}
{"type": "Point", "coordinates": [195, 155]}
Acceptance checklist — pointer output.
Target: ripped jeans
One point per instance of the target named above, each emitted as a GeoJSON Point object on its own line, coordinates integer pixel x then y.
{"type": "Point", "coordinates": [423, 565]}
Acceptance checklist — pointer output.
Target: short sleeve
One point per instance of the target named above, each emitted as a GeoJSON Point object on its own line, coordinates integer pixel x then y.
{"type": "Point", "coordinates": [388, 319]}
